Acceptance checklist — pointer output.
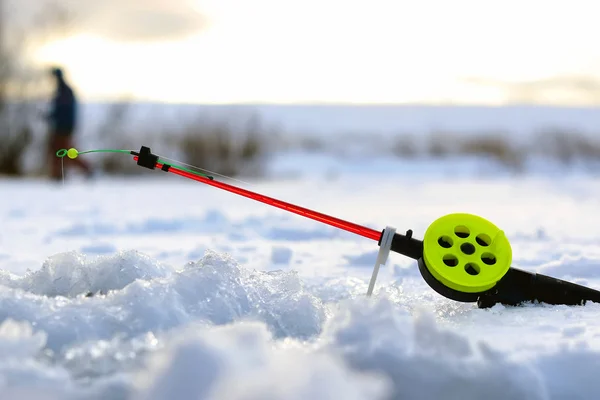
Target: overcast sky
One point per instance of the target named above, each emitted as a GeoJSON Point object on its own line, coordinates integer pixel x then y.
{"type": "Point", "coordinates": [332, 50]}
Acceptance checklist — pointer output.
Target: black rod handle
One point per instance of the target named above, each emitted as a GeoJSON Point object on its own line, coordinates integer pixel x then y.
{"type": "Point", "coordinates": [519, 286]}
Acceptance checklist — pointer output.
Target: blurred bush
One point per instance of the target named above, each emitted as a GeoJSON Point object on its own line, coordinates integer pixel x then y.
{"type": "Point", "coordinates": [494, 146]}
{"type": "Point", "coordinates": [563, 146]}
{"type": "Point", "coordinates": [232, 146]}
{"type": "Point", "coordinates": [228, 150]}
{"type": "Point", "coordinates": [567, 147]}
{"type": "Point", "coordinates": [241, 145]}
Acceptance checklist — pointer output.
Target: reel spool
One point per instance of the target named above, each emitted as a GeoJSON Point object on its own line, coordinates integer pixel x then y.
{"type": "Point", "coordinates": [466, 254]}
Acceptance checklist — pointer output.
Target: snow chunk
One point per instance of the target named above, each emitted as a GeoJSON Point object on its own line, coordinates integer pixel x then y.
{"type": "Point", "coordinates": [145, 297]}
{"type": "Point", "coordinates": [220, 290]}
{"type": "Point", "coordinates": [422, 360]}
{"type": "Point", "coordinates": [71, 274]}
{"type": "Point", "coordinates": [240, 362]}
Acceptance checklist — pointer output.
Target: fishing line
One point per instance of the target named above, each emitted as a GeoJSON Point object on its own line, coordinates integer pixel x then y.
{"type": "Point", "coordinates": [204, 170]}
{"type": "Point", "coordinates": [193, 169]}
{"type": "Point", "coordinates": [74, 153]}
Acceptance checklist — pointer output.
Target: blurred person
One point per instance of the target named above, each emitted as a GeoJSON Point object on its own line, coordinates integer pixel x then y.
{"type": "Point", "coordinates": [62, 120]}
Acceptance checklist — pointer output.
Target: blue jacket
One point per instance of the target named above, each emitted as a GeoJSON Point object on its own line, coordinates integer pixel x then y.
{"type": "Point", "coordinates": [63, 112]}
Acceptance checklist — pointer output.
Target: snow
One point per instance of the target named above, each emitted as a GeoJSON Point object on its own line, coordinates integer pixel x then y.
{"type": "Point", "coordinates": [162, 288]}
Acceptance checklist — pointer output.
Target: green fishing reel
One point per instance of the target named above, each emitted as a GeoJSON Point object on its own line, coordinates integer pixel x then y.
{"type": "Point", "coordinates": [466, 253]}
{"type": "Point", "coordinates": [467, 258]}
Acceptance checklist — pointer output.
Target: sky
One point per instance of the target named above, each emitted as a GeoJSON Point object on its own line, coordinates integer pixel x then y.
{"type": "Point", "coordinates": [340, 51]}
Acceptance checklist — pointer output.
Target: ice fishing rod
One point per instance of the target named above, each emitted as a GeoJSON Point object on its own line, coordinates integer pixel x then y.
{"type": "Point", "coordinates": [462, 257]}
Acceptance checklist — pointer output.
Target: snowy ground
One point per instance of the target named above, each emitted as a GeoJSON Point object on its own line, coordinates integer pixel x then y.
{"type": "Point", "coordinates": [207, 295]}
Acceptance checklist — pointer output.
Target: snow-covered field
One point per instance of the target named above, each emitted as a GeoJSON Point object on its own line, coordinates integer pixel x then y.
{"type": "Point", "coordinates": [202, 294]}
